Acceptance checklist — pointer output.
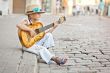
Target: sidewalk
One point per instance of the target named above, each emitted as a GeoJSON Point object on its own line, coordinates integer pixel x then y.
{"type": "Point", "coordinates": [84, 39]}
{"type": "Point", "coordinates": [12, 60]}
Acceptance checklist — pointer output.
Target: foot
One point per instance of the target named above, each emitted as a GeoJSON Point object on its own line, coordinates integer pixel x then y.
{"type": "Point", "coordinates": [60, 61]}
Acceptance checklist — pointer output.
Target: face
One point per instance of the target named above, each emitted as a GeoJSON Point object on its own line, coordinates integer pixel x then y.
{"type": "Point", "coordinates": [35, 16]}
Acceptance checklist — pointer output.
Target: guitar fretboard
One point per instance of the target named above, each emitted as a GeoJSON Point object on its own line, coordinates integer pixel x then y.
{"type": "Point", "coordinates": [45, 27]}
{"type": "Point", "coordinates": [42, 29]}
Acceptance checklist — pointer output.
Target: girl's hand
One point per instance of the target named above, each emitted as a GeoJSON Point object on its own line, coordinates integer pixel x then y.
{"type": "Point", "coordinates": [55, 24]}
{"type": "Point", "coordinates": [32, 33]}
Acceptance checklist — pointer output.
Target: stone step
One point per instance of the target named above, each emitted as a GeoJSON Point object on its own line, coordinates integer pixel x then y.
{"type": "Point", "coordinates": [28, 64]}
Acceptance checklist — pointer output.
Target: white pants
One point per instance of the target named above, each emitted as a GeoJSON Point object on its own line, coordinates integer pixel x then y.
{"type": "Point", "coordinates": [47, 41]}
{"type": "Point", "coordinates": [40, 48]}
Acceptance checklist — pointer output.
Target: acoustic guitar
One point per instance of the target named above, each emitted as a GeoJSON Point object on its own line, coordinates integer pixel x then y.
{"type": "Point", "coordinates": [25, 38]}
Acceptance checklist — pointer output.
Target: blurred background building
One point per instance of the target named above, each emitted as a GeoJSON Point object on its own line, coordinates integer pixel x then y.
{"type": "Point", "coordinates": [68, 7]}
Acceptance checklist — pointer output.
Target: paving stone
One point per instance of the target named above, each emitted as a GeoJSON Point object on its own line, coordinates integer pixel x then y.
{"type": "Point", "coordinates": [76, 66]}
{"type": "Point", "coordinates": [44, 70]}
{"type": "Point", "coordinates": [83, 61]}
{"type": "Point", "coordinates": [101, 68]}
{"type": "Point", "coordinates": [95, 53]}
{"type": "Point", "coordinates": [77, 59]}
{"type": "Point", "coordinates": [104, 71]}
{"type": "Point", "coordinates": [99, 60]}
{"type": "Point", "coordinates": [58, 71]}
{"type": "Point", "coordinates": [71, 55]}
{"type": "Point", "coordinates": [57, 67]}
{"type": "Point", "coordinates": [106, 52]}
{"type": "Point", "coordinates": [102, 56]}
{"type": "Point", "coordinates": [78, 69]}
{"type": "Point", "coordinates": [70, 62]}
{"type": "Point", "coordinates": [91, 51]}
{"type": "Point", "coordinates": [105, 49]}
{"type": "Point", "coordinates": [43, 65]}
{"type": "Point", "coordinates": [79, 49]}
{"type": "Point", "coordinates": [74, 46]}
{"type": "Point", "coordinates": [58, 50]}
{"type": "Point", "coordinates": [88, 71]}
{"type": "Point", "coordinates": [105, 63]}
{"type": "Point", "coordinates": [93, 66]}
{"type": "Point", "coordinates": [80, 55]}
{"type": "Point", "coordinates": [72, 71]}
{"type": "Point", "coordinates": [66, 49]}
{"type": "Point", "coordinates": [74, 52]}
{"type": "Point", "coordinates": [88, 58]}
{"type": "Point", "coordinates": [108, 65]}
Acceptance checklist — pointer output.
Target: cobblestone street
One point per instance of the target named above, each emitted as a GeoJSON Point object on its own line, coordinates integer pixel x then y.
{"type": "Point", "coordinates": [85, 40]}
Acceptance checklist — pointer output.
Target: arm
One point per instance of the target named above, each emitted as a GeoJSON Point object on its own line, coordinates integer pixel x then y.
{"type": "Point", "coordinates": [22, 26]}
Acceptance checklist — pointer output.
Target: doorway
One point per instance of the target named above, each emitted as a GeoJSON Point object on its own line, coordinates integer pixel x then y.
{"type": "Point", "coordinates": [19, 6]}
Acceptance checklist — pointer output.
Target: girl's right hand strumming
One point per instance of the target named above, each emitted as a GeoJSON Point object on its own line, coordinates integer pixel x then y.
{"type": "Point", "coordinates": [32, 33]}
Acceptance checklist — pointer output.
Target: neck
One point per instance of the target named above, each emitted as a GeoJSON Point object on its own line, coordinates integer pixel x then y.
{"type": "Point", "coordinates": [33, 20]}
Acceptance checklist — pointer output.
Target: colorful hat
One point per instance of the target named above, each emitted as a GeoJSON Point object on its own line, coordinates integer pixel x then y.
{"type": "Point", "coordinates": [33, 9]}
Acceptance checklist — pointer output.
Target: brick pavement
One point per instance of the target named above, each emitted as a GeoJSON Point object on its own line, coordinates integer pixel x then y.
{"type": "Point", "coordinates": [85, 40]}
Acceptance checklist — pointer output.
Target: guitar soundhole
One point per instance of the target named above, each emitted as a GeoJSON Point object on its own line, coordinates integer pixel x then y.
{"type": "Point", "coordinates": [37, 31]}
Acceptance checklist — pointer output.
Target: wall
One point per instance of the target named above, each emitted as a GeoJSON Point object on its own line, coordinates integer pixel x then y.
{"type": "Point", "coordinates": [4, 7]}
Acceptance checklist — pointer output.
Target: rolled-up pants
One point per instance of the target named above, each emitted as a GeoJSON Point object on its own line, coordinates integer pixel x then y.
{"type": "Point", "coordinates": [40, 48]}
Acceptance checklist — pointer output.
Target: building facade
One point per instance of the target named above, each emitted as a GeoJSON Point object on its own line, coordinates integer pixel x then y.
{"type": "Point", "coordinates": [18, 6]}
{"type": "Point", "coordinates": [4, 7]}
{"type": "Point", "coordinates": [50, 6]}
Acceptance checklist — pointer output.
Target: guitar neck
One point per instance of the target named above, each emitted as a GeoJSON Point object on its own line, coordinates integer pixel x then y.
{"type": "Point", "coordinates": [42, 29]}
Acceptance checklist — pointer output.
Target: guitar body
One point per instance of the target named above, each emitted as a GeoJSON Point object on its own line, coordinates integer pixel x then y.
{"type": "Point", "coordinates": [25, 38]}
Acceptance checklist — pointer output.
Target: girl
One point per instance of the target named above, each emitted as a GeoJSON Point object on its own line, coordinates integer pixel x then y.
{"type": "Point", "coordinates": [34, 13]}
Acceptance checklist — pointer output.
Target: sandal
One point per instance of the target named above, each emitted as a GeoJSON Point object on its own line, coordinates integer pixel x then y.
{"type": "Point", "coordinates": [60, 61]}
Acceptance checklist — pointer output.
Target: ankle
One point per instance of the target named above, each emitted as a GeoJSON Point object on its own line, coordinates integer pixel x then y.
{"type": "Point", "coordinates": [53, 58]}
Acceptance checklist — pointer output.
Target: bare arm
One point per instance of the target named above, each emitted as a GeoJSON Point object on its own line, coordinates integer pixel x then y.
{"type": "Point", "coordinates": [22, 26]}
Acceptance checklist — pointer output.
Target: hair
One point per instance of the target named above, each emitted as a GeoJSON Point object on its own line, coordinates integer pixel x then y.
{"type": "Point", "coordinates": [29, 19]}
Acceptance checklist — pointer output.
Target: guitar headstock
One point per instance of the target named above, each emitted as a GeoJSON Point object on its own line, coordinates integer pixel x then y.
{"type": "Point", "coordinates": [61, 19]}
